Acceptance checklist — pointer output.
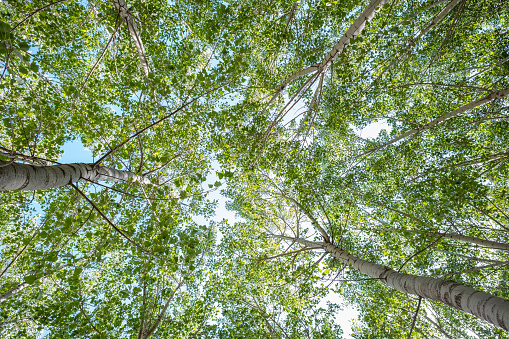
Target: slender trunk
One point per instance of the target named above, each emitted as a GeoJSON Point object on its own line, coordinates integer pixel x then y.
{"type": "Point", "coordinates": [491, 261]}
{"type": "Point", "coordinates": [152, 329]}
{"type": "Point", "coordinates": [355, 29]}
{"type": "Point", "coordinates": [12, 292]}
{"type": "Point", "coordinates": [447, 9]}
{"type": "Point", "coordinates": [10, 322]}
{"type": "Point", "coordinates": [493, 96]}
{"type": "Point", "coordinates": [133, 30]}
{"type": "Point", "coordinates": [485, 243]}
{"type": "Point", "coordinates": [487, 307]}
{"type": "Point", "coordinates": [15, 176]}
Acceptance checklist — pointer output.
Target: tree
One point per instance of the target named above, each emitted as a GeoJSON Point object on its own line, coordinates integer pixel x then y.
{"type": "Point", "coordinates": [14, 176]}
{"type": "Point", "coordinates": [270, 97]}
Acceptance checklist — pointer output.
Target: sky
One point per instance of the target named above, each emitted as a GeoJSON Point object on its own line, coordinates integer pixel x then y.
{"type": "Point", "coordinates": [74, 151]}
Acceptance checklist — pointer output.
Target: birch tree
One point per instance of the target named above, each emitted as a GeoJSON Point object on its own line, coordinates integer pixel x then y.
{"type": "Point", "coordinates": [268, 100]}
{"type": "Point", "coordinates": [14, 176]}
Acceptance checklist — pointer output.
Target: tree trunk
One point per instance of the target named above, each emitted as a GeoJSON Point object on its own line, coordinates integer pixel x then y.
{"type": "Point", "coordinates": [493, 96]}
{"type": "Point", "coordinates": [133, 30]}
{"type": "Point", "coordinates": [15, 176]}
{"type": "Point", "coordinates": [485, 243]}
{"type": "Point", "coordinates": [447, 9]}
{"type": "Point", "coordinates": [355, 29]}
{"type": "Point", "coordinates": [12, 292]}
{"type": "Point", "coordinates": [487, 307]}
{"type": "Point", "coordinates": [10, 322]}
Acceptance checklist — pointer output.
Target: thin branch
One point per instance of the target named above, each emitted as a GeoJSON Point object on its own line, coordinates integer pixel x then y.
{"type": "Point", "coordinates": [100, 57]}
{"type": "Point", "coordinates": [445, 85]}
{"type": "Point", "coordinates": [415, 318]}
{"type": "Point", "coordinates": [288, 253]}
{"type": "Point", "coordinates": [143, 130]}
{"type": "Point", "coordinates": [35, 12]}
{"type": "Point", "coordinates": [118, 230]}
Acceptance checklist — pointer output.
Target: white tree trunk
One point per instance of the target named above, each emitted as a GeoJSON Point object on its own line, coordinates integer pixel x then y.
{"type": "Point", "coordinates": [447, 9]}
{"type": "Point", "coordinates": [493, 96]}
{"type": "Point", "coordinates": [10, 322]}
{"type": "Point", "coordinates": [485, 243]}
{"type": "Point", "coordinates": [12, 292]}
{"type": "Point", "coordinates": [133, 30]}
{"type": "Point", "coordinates": [15, 176]}
{"type": "Point", "coordinates": [355, 29]}
{"type": "Point", "coordinates": [487, 307]}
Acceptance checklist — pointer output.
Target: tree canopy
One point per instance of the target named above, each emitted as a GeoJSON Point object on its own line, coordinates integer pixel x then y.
{"type": "Point", "coordinates": [268, 102]}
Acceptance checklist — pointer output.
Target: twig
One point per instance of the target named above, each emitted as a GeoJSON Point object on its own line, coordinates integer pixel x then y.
{"type": "Point", "coordinates": [35, 12]}
{"type": "Point", "coordinates": [415, 318]}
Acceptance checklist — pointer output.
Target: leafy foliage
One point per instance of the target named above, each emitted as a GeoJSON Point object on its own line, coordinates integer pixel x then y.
{"type": "Point", "coordinates": [224, 107]}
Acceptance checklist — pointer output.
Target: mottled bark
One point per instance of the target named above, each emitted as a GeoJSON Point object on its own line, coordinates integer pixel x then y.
{"type": "Point", "coordinates": [15, 176]}
{"type": "Point", "coordinates": [484, 243]}
{"type": "Point", "coordinates": [493, 96]}
{"type": "Point", "coordinates": [485, 306]}
{"type": "Point", "coordinates": [133, 30]}
{"type": "Point", "coordinates": [355, 29]}
{"type": "Point", "coordinates": [10, 322]}
{"type": "Point", "coordinates": [447, 9]}
{"type": "Point", "coordinates": [12, 292]}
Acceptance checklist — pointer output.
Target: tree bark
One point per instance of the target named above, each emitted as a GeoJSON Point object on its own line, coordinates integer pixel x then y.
{"type": "Point", "coordinates": [485, 243]}
{"type": "Point", "coordinates": [133, 30]}
{"type": "Point", "coordinates": [10, 322]}
{"type": "Point", "coordinates": [355, 29]}
{"type": "Point", "coordinates": [493, 96]}
{"type": "Point", "coordinates": [487, 307]}
{"type": "Point", "coordinates": [12, 292]}
{"type": "Point", "coordinates": [447, 9]}
{"type": "Point", "coordinates": [23, 177]}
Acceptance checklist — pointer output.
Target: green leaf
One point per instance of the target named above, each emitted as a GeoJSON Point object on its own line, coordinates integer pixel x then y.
{"type": "Point", "coordinates": [34, 67]}
{"type": "Point", "coordinates": [30, 279]}
{"type": "Point", "coordinates": [24, 46]}
{"type": "Point", "coordinates": [4, 27]}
